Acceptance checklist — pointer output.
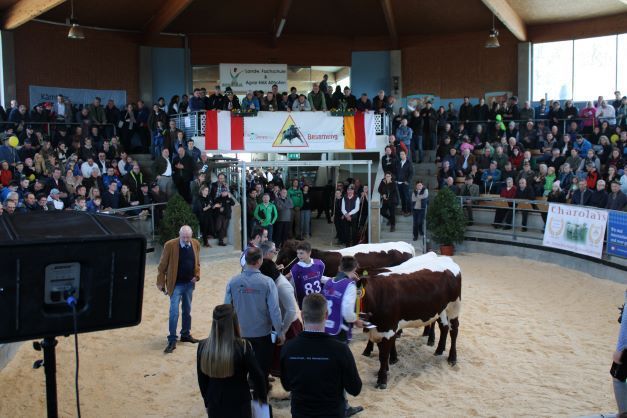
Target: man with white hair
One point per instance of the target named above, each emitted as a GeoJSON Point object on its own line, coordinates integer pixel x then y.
{"type": "Point", "coordinates": [178, 272]}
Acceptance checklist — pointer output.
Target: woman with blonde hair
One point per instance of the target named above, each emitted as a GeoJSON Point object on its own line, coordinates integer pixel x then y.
{"type": "Point", "coordinates": [224, 361]}
{"type": "Point", "coordinates": [40, 166]}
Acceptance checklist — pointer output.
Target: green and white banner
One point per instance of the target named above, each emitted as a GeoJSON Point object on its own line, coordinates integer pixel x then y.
{"type": "Point", "coordinates": [578, 229]}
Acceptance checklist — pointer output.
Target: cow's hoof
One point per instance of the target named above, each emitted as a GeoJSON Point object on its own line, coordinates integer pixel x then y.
{"type": "Point", "coordinates": [452, 362]}
{"type": "Point", "coordinates": [394, 360]}
{"type": "Point", "coordinates": [430, 343]}
{"type": "Point", "coordinates": [381, 386]}
{"type": "Point", "coordinates": [438, 353]}
{"type": "Point", "coordinates": [366, 353]}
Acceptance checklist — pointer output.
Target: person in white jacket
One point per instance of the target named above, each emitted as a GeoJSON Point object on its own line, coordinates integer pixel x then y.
{"type": "Point", "coordinates": [292, 326]}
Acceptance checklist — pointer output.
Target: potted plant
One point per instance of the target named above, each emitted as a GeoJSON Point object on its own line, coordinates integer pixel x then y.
{"type": "Point", "coordinates": [177, 213]}
{"type": "Point", "coordinates": [446, 221]}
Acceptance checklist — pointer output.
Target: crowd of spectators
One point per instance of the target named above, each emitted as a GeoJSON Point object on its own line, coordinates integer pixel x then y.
{"type": "Point", "coordinates": [57, 157]}
{"type": "Point", "coordinates": [553, 153]}
{"type": "Point", "coordinates": [285, 210]}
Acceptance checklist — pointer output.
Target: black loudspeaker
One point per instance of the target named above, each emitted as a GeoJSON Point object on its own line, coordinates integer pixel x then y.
{"type": "Point", "coordinates": [47, 258]}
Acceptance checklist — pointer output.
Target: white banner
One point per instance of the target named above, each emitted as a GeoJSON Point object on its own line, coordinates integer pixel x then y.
{"type": "Point", "coordinates": [244, 77]}
{"type": "Point", "coordinates": [575, 228]}
{"type": "Point", "coordinates": [39, 94]}
{"type": "Point", "coordinates": [297, 131]}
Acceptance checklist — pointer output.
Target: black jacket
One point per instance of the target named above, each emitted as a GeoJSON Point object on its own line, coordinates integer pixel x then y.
{"type": "Point", "coordinates": [317, 368]}
{"type": "Point", "coordinates": [230, 396]}
{"type": "Point", "coordinates": [390, 191]}
{"type": "Point", "coordinates": [389, 163]}
{"type": "Point", "coordinates": [405, 173]}
{"type": "Point", "coordinates": [598, 199]}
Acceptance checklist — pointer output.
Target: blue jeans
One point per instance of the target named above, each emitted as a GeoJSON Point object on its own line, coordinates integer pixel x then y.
{"type": "Point", "coordinates": [418, 218]}
{"type": "Point", "coordinates": [182, 295]}
{"type": "Point", "coordinates": [305, 222]}
{"type": "Point", "coordinates": [620, 393]}
{"type": "Point", "coordinates": [269, 229]}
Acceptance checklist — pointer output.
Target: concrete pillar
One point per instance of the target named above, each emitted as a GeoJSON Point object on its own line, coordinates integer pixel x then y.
{"type": "Point", "coordinates": [8, 90]}
{"type": "Point", "coordinates": [396, 74]}
{"type": "Point", "coordinates": [234, 233]}
{"type": "Point", "coordinates": [524, 72]}
{"type": "Point", "coordinates": [145, 74]}
{"type": "Point", "coordinates": [375, 221]}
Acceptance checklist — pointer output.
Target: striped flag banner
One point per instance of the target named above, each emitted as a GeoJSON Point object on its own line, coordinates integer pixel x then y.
{"type": "Point", "coordinates": [289, 131]}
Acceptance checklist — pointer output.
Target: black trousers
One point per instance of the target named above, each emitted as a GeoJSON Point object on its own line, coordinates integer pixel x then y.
{"type": "Point", "coordinates": [350, 231]}
{"type": "Point", "coordinates": [264, 350]}
{"type": "Point", "coordinates": [280, 233]}
{"type": "Point", "coordinates": [388, 211]}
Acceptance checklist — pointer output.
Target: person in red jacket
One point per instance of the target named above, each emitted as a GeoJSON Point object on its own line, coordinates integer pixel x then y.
{"type": "Point", "coordinates": [6, 175]}
{"type": "Point", "coordinates": [507, 192]}
{"type": "Point", "coordinates": [516, 158]}
{"type": "Point", "coordinates": [592, 177]}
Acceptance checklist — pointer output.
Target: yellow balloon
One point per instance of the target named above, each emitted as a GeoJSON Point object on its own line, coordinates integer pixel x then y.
{"type": "Point", "coordinates": [13, 141]}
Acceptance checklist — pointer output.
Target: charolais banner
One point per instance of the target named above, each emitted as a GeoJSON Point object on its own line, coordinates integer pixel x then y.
{"type": "Point", "coordinates": [39, 94]}
{"type": "Point", "coordinates": [289, 132]}
{"type": "Point", "coordinates": [575, 228]}
{"type": "Point", "coordinates": [244, 77]}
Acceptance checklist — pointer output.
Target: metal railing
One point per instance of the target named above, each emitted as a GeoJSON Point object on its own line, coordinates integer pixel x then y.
{"type": "Point", "coordinates": [193, 123]}
{"type": "Point", "coordinates": [138, 217]}
{"type": "Point", "coordinates": [490, 124]}
{"type": "Point", "coordinates": [51, 127]}
{"type": "Point", "coordinates": [486, 207]}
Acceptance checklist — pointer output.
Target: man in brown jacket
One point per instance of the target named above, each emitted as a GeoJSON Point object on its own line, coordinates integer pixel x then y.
{"type": "Point", "coordinates": [179, 270]}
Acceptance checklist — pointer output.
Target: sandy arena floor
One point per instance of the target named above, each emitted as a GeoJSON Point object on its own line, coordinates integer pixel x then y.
{"type": "Point", "coordinates": [535, 340]}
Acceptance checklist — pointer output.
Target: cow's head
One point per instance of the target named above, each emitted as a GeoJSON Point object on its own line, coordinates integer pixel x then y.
{"type": "Point", "coordinates": [287, 254]}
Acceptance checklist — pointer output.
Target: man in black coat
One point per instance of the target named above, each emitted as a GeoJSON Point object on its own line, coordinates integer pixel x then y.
{"type": "Point", "coordinates": [183, 167]}
{"type": "Point", "coordinates": [430, 123]}
{"type": "Point", "coordinates": [404, 176]}
{"type": "Point", "coordinates": [317, 367]}
{"type": "Point", "coordinates": [598, 198]}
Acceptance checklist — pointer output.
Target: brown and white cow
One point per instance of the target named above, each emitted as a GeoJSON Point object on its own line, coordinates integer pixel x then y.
{"type": "Point", "coordinates": [368, 256]}
{"type": "Point", "coordinates": [414, 294]}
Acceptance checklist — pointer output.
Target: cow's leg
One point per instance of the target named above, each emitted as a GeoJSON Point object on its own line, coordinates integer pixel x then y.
{"type": "Point", "coordinates": [384, 355]}
{"type": "Point", "coordinates": [429, 332]}
{"type": "Point", "coordinates": [425, 331]}
{"type": "Point", "coordinates": [452, 354]}
{"type": "Point", "coordinates": [368, 351]}
{"type": "Point", "coordinates": [393, 353]}
{"type": "Point", "coordinates": [443, 336]}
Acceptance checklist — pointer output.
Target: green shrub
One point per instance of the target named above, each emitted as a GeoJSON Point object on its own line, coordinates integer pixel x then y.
{"type": "Point", "coordinates": [177, 213]}
{"type": "Point", "coordinates": [445, 218]}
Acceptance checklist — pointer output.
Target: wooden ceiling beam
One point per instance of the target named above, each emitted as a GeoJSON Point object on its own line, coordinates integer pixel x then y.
{"type": "Point", "coordinates": [386, 5]}
{"type": "Point", "coordinates": [278, 25]}
{"type": "Point", "coordinates": [168, 12]}
{"type": "Point", "coordinates": [26, 10]}
{"type": "Point", "coordinates": [508, 16]}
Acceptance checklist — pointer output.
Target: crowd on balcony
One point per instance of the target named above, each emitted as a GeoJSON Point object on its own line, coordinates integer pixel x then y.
{"type": "Point", "coordinates": [554, 153]}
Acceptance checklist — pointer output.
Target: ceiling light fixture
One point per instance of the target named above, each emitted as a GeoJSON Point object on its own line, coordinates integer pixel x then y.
{"type": "Point", "coordinates": [280, 28]}
{"type": "Point", "coordinates": [76, 32]}
{"type": "Point", "coordinates": [493, 37]}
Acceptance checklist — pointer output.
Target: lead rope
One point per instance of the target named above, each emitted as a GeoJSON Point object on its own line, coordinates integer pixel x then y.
{"type": "Point", "coordinates": [289, 264]}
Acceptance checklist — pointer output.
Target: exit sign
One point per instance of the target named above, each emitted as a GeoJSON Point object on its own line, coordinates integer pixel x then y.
{"type": "Point", "coordinates": [293, 156]}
